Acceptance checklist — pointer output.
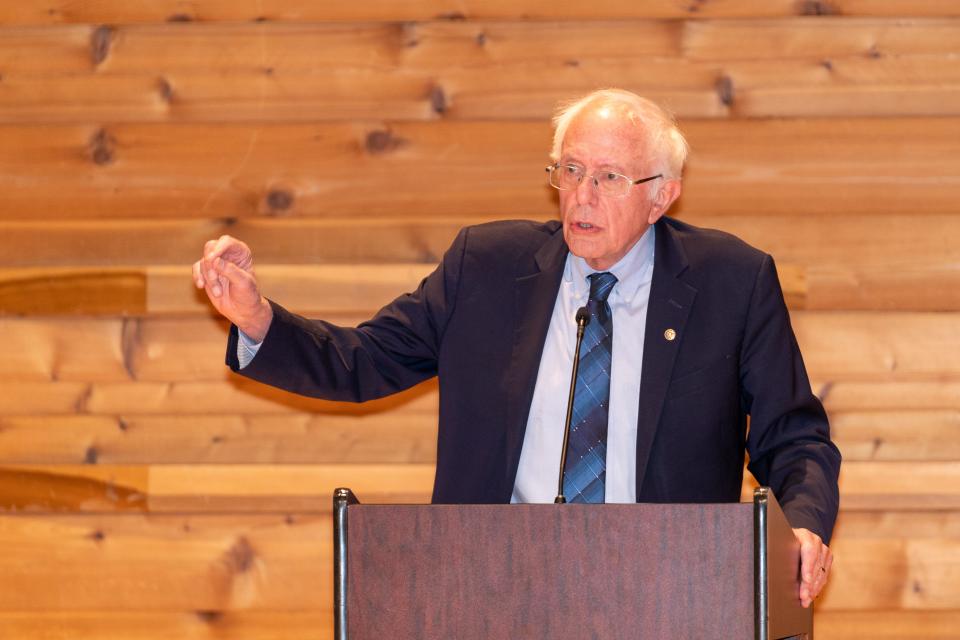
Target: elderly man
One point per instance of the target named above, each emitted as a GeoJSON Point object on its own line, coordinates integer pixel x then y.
{"type": "Point", "coordinates": [688, 334]}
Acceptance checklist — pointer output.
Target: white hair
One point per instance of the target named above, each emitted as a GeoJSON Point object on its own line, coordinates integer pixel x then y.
{"type": "Point", "coordinates": [664, 142]}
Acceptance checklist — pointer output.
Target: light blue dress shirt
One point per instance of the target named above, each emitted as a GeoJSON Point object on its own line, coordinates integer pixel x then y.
{"type": "Point", "coordinates": [539, 467]}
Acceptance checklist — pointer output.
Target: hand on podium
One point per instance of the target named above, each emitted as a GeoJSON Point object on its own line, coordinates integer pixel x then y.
{"type": "Point", "coordinates": [815, 562]}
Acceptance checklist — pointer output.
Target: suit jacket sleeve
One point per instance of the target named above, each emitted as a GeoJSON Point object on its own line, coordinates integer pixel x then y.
{"type": "Point", "coordinates": [394, 350]}
{"type": "Point", "coordinates": [789, 436]}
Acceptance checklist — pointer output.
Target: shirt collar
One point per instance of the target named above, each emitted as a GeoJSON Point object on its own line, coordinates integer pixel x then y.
{"type": "Point", "coordinates": [632, 270]}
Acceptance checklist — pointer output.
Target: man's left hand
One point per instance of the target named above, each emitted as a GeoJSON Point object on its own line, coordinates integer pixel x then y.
{"type": "Point", "coordinates": [815, 562]}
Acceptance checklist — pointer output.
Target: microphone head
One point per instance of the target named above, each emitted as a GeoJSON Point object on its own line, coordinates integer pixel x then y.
{"type": "Point", "coordinates": [583, 316]}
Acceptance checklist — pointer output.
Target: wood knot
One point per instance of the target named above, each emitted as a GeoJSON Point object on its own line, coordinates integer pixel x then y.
{"type": "Point", "coordinates": [827, 64]}
{"type": "Point", "coordinates": [101, 147]}
{"type": "Point", "coordinates": [209, 617]}
{"type": "Point", "coordinates": [180, 17]}
{"type": "Point", "coordinates": [874, 52]}
{"type": "Point", "coordinates": [240, 556]}
{"type": "Point", "coordinates": [408, 35]}
{"type": "Point", "coordinates": [725, 90]}
{"type": "Point", "coordinates": [216, 439]}
{"type": "Point", "coordinates": [452, 16]}
{"type": "Point", "coordinates": [90, 457]}
{"type": "Point", "coordinates": [382, 141]}
{"type": "Point", "coordinates": [97, 535]}
{"type": "Point", "coordinates": [438, 100]}
{"type": "Point", "coordinates": [100, 41]}
{"type": "Point", "coordinates": [122, 424]}
{"type": "Point", "coordinates": [694, 6]}
{"type": "Point", "coordinates": [229, 221]}
{"type": "Point", "coordinates": [165, 89]}
{"type": "Point", "coordinates": [481, 38]}
{"type": "Point", "coordinates": [279, 200]}
{"type": "Point", "coordinates": [571, 63]}
{"type": "Point", "coordinates": [817, 8]}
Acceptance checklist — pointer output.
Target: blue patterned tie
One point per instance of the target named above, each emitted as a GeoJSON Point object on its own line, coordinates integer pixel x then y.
{"type": "Point", "coordinates": [585, 473]}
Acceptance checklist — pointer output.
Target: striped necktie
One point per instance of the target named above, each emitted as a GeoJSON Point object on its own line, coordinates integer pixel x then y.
{"type": "Point", "coordinates": [585, 472]}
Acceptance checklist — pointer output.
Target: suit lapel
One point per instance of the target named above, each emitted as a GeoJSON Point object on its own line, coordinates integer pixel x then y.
{"type": "Point", "coordinates": [535, 294]}
{"type": "Point", "coordinates": [668, 309]}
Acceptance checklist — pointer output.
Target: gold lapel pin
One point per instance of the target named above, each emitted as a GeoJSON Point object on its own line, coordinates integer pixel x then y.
{"type": "Point", "coordinates": [670, 334]}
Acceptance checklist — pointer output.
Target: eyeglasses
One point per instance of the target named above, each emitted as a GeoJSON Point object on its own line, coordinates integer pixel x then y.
{"type": "Point", "coordinates": [569, 176]}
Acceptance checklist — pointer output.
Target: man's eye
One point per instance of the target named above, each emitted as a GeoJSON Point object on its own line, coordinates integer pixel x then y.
{"type": "Point", "coordinates": [572, 170]}
{"type": "Point", "coordinates": [610, 177]}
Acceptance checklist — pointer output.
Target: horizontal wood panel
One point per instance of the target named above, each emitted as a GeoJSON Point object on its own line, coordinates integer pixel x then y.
{"type": "Point", "coordinates": [271, 563]}
{"type": "Point", "coordinates": [335, 290]}
{"type": "Point", "coordinates": [833, 88]}
{"type": "Point", "coordinates": [180, 563]}
{"type": "Point", "coordinates": [234, 395]}
{"type": "Point", "coordinates": [307, 625]}
{"type": "Point", "coordinates": [388, 437]}
{"type": "Point", "coordinates": [864, 486]}
{"type": "Point", "coordinates": [205, 439]}
{"type": "Point", "coordinates": [870, 166]}
{"type": "Point", "coordinates": [803, 37]}
{"type": "Point", "coordinates": [269, 47]}
{"type": "Point", "coordinates": [120, 12]}
{"type": "Point", "coordinates": [886, 625]}
{"type": "Point", "coordinates": [888, 396]}
{"type": "Point", "coordinates": [197, 488]}
{"type": "Point", "coordinates": [875, 345]}
{"type": "Point", "coordinates": [143, 242]}
{"type": "Point", "coordinates": [178, 351]}
{"type": "Point", "coordinates": [897, 435]}
{"type": "Point", "coordinates": [905, 244]}
{"type": "Point", "coordinates": [186, 625]}
{"type": "Point", "coordinates": [463, 70]}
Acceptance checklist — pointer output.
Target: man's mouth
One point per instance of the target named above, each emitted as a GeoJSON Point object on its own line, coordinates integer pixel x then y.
{"type": "Point", "coordinates": [584, 226]}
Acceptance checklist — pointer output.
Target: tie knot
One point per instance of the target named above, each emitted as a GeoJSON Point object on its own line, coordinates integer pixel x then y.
{"type": "Point", "coordinates": [601, 284]}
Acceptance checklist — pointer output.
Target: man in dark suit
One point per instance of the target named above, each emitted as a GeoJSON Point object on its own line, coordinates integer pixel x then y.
{"type": "Point", "coordinates": [701, 333]}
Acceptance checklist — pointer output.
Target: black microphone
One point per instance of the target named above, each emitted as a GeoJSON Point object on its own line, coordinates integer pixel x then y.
{"type": "Point", "coordinates": [583, 319]}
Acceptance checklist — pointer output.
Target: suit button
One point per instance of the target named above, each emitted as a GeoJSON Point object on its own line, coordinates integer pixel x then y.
{"type": "Point", "coordinates": [670, 334]}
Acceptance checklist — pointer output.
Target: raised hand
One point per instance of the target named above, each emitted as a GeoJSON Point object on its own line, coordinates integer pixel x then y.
{"type": "Point", "coordinates": [226, 273]}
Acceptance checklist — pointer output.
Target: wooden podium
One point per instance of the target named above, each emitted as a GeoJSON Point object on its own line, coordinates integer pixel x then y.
{"type": "Point", "coordinates": [651, 571]}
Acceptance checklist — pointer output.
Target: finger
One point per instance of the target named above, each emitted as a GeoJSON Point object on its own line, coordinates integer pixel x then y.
{"type": "Point", "coordinates": [198, 274]}
{"type": "Point", "coordinates": [206, 268]}
{"type": "Point", "coordinates": [825, 564]}
{"type": "Point", "coordinates": [216, 286]}
{"type": "Point", "coordinates": [242, 281]}
{"type": "Point", "coordinates": [809, 559]}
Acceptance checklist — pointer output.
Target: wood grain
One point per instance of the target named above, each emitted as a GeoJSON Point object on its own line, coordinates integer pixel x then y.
{"type": "Point", "coordinates": [299, 438]}
{"type": "Point", "coordinates": [232, 395]}
{"type": "Point", "coordinates": [858, 166]}
{"type": "Point", "coordinates": [148, 625]}
{"type": "Point", "coordinates": [119, 12]}
{"type": "Point", "coordinates": [166, 563]}
{"type": "Point", "coordinates": [196, 488]}
{"type": "Point", "coordinates": [135, 564]}
{"type": "Point", "coordinates": [306, 625]}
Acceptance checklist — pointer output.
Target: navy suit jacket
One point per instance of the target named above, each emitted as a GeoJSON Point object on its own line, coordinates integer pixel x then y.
{"type": "Point", "coordinates": [479, 322]}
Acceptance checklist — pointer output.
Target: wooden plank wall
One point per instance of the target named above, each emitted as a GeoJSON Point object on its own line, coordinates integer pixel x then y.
{"type": "Point", "coordinates": [145, 493]}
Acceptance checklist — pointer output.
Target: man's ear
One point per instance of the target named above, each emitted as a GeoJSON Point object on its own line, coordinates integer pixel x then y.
{"type": "Point", "coordinates": [665, 197]}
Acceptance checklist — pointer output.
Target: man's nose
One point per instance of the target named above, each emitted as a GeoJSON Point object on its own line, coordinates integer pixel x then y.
{"type": "Point", "coordinates": [586, 191]}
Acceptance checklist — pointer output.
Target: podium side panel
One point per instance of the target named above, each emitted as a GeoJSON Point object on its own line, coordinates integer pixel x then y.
{"type": "Point", "coordinates": [786, 617]}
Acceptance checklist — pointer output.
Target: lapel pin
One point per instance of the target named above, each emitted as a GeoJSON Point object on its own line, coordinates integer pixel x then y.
{"type": "Point", "coordinates": [670, 334]}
